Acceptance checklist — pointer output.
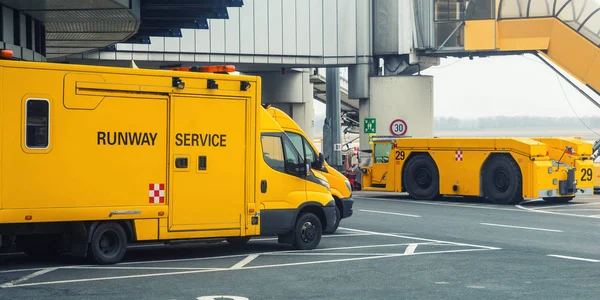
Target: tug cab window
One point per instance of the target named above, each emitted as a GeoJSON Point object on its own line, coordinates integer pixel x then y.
{"type": "Point", "coordinates": [37, 114]}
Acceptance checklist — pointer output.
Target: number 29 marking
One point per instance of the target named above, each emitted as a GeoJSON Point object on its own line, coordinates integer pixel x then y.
{"type": "Point", "coordinates": [400, 155]}
{"type": "Point", "coordinates": [586, 174]}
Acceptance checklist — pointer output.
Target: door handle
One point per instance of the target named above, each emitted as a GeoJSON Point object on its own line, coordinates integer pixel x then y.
{"type": "Point", "coordinates": [263, 186]}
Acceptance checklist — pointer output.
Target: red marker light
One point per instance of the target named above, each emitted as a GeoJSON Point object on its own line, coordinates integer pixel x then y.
{"type": "Point", "coordinates": [161, 213]}
{"type": "Point", "coordinates": [28, 218]}
{"type": "Point", "coordinates": [217, 69]}
{"type": "Point", "coordinates": [6, 53]}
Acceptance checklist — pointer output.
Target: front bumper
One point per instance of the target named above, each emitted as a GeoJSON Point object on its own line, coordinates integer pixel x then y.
{"type": "Point", "coordinates": [330, 215]}
{"type": "Point", "coordinates": [347, 204]}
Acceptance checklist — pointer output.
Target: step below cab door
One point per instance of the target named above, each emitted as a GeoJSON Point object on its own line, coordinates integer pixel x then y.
{"type": "Point", "coordinates": [208, 164]}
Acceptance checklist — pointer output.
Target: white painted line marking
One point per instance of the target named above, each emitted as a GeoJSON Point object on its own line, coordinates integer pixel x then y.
{"type": "Point", "coordinates": [230, 269]}
{"type": "Point", "coordinates": [329, 254]}
{"type": "Point", "coordinates": [527, 209]}
{"type": "Point", "coordinates": [521, 227]}
{"type": "Point", "coordinates": [421, 239]}
{"type": "Point", "coordinates": [25, 278]}
{"type": "Point", "coordinates": [442, 282]}
{"type": "Point", "coordinates": [138, 268]}
{"type": "Point", "coordinates": [12, 254]}
{"type": "Point", "coordinates": [565, 205]}
{"type": "Point", "coordinates": [180, 259]}
{"type": "Point", "coordinates": [20, 270]}
{"type": "Point", "coordinates": [324, 236]}
{"type": "Point", "coordinates": [439, 204]}
{"type": "Point", "coordinates": [410, 249]}
{"type": "Point", "coordinates": [389, 213]}
{"type": "Point", "coordinates": [352, 247]}
{"type": "Point", "coordinates": [476, 286]}
{"type": "Point", "coordinates": [245, 261]}
{"type": "Point", "coordinates": [574, 258]}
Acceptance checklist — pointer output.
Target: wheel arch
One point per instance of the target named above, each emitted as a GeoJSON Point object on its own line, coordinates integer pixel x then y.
{"type": "Point", "coordinates": [410, 157]}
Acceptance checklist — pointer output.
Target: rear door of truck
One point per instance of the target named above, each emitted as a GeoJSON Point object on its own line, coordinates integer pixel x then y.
{"type": "Point", "coordinates": [208, 156]}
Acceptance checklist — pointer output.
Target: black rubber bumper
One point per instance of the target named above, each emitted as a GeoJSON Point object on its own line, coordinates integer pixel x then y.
{"type": "Point", "coordinates": [329, 210]}
{"type": "Point", "coordinates": [347, 204]}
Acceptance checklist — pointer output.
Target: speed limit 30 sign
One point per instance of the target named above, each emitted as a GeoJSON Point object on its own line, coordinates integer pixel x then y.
{"type": "Point", "coordinates": [398, 127]}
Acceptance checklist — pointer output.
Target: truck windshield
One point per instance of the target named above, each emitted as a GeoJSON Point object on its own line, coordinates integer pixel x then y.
{"type": "Point", "coordinates": [302, 145]}
{"type": "Point", "coordinates": [382, 152]}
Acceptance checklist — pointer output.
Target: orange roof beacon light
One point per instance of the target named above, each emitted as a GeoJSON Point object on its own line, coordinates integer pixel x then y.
{"type": "Point", "coordinates": [207, 69]}
{"type": "Point", "coordinates": [6, 54]}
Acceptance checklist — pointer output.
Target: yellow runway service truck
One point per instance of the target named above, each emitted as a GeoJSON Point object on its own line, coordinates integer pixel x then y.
{"type": "Point", "coordinates": [95, 158]}
{"type": "Point", "coordinates": [503, 170]}
{"type": "Point", "coordinates": [340, 186]}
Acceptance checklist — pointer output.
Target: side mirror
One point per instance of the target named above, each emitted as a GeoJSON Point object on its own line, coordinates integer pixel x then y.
{"type": "Point", "coordinates": [320, 162]}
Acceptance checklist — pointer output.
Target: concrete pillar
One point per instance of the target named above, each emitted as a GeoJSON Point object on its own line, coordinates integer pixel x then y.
{"type": "Point", "coordinates": [406, 98]}
{"type": "Point", "coordinates": [291, 92]}
{"type": "Point", "coordinates": [332, 135]}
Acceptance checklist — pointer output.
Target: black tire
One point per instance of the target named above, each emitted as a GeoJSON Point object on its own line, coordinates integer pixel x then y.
{"type": "Point", "coordinates": [109, 243]}
{"type": "Point", "coordinates": [307, 232]}
{"type": "Point", "coordinates": [421, 178]}
{"type": "Point", "coordinates": [502, 180]}
{"type": "Point", "coordinates": [238, 240]}
{"type": "Point", "coordinates": [558, 199]}
{"type": "Point", "coordinates": [338, 219]}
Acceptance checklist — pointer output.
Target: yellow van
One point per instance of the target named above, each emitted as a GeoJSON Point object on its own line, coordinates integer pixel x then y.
{"type": "Point", "coordinates": [95, 158]}
{"type": "Point", "coordinates": [340, 186]}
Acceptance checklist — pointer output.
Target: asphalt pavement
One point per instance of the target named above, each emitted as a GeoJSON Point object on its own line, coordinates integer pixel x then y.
{"type": "Point", "coordinates": [393, 247]}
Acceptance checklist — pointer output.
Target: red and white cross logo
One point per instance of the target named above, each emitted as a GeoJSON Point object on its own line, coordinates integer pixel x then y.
{"type": "Point", "coordinates": [458, 155]}
{"type": "Point", "coordinates": [157, 193]}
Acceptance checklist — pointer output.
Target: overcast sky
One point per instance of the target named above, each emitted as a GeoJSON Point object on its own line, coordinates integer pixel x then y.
{"type": "Point", "coordinates": [519, 85]}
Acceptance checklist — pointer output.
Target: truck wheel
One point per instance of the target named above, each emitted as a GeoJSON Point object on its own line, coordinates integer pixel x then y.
{"type": "Point", "coordinates": [502, 181]}
{"type": "Point", "coordinates": [338, 218]}
{"type": "Point", "coordinates": [238, 240]}
{"type": "Point", "coordinates": [109, 243]}
{"type": "Point", "coordinates": [307, 232]}
{"type": "Point", "coordinates": [558, 199]}
{"type": "Point", "coordinates": [421, 177]}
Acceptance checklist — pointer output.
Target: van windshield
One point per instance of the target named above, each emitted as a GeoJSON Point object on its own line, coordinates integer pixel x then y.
{"type": "Point", "coordinates": [302, 145]}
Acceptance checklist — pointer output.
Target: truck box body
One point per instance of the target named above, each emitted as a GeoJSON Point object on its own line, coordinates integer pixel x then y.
{"type": "Point", "coordinates": [83, 143]}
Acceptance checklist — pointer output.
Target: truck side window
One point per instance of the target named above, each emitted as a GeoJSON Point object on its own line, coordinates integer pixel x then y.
{"type": "Point", "coordinates": [292, 157]}
{"type": "Point", "coordinates": [382, 152]}
{"type": "Point", "coordinates": [302, 145]}
{"type": "Point", "coordinates": [37, 123]}
{"type": "Point", "coordinates": [273, 152]}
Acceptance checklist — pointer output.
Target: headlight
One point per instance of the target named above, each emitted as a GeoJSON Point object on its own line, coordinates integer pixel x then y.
{"type": "Point", "coordinates": [324, 183]}
{"type": "Point", "coordinates": [347, 182]}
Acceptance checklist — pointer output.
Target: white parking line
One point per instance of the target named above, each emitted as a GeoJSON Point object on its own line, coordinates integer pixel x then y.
{"type": "Point", "coordinates": [574, 258]}
{"type": "Point", "coordinates": [439, 204]}
{"type": "Point", "coordinates": [420, 239]}
{"type": "Point", "coordinates": [566, 205]}
{"type": "Point", "coordinates": [230, 269]}
{"type": "Point", "coordinates": [245, 261]}
{"type": "Point", "coordinates": [552, 212]}
{"type": "Point", "coordinates": [389, 213]}
{"type": "Point", "coordinates": [410, 249]}
{"type": "Point", "coordinates": [25, 278]}
{"type": "Point", "coordinates": [521, 227]}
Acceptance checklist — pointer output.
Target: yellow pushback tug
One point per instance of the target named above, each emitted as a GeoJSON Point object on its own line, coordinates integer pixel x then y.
{"type": "Point", "coordinates": [95, 158]}
{"type": "Point", "coordinates": [503, 170]}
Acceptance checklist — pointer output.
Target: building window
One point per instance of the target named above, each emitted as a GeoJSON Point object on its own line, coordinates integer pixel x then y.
{"type": "Point", "coordinates": [28, 32]}
{"type": "Point", "coordinates": [17, 27]}
{"type": "Point", "coordinates": [37, 125]}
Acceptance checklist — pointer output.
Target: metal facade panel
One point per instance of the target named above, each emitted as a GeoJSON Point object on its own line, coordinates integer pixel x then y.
{"type": "Point", "coordinates": [217, 58]}
{"type": "Point", "coordinates": [124, 56]}
{"type": "Point", "coordinates": [303, 27]}
{"type": "Point", "coordinates": [140, 56]}
{"type": "Point", "coordinates": [202, 41]}
{"type": "Point", "coordinates": [217, 36]}
{"type": "Point", "coordinates": [157, 44]}
{"type": "Point", "coordinates": [275, 27]}
{"type": "Point", "coordinates": [232, 31]}
{"type": "Point", "coordinates": [405, 27]}
{"type": "Point", "coordinates": [187, 42]}
{"type": "Point", "coordinates": [289, 27]}
{"type": "Point", "coordinates": [316, 27]}
{"type": "Point", "coordinates": [187, 57]}
{"type": "Point", "coordinates": [171, 56]}
{"type": "Point", "coordinates": [346, 28]}
{"type": "Point", "coordinates": [385, 31]}
{"type": "Point", "coordinates": [261, 27]}
{"type": "Point", "coordinates": [247, 37]}
{"type": "Point", "coordinates": [7, 25]}
{"type": "Point", "coordinates": [363, 27]}
{"type": "Point", "coordinates": [330, 30]}
{"type": "Point", "coordinates": [172, 44]}
{"type": "Point", "coordinates": [23, 30]}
